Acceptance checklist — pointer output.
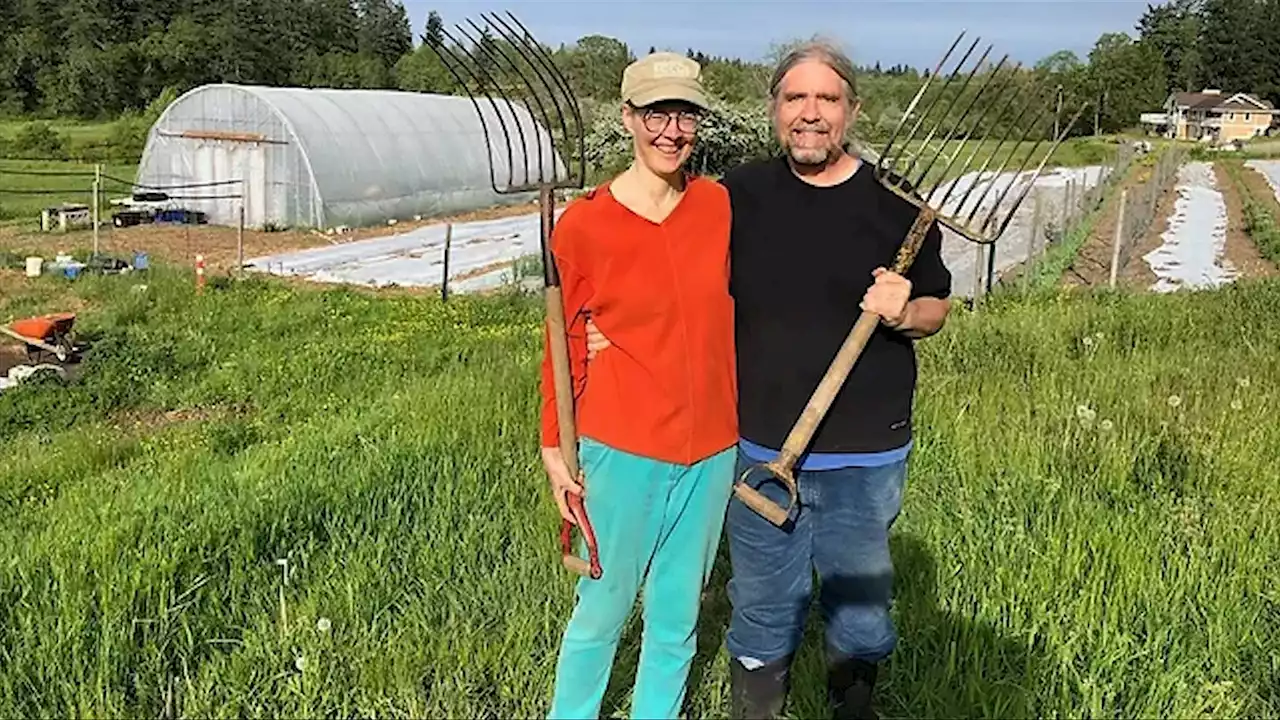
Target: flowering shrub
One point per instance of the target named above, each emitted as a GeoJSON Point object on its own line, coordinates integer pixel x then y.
{"type": "Point", "coordinates": [729, 135]}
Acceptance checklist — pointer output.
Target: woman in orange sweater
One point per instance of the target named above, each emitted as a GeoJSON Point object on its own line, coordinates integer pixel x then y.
{"type": "Point", "coordinates": [646, 256]}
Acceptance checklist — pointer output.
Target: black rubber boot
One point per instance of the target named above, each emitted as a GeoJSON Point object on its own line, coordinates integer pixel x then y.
{"type": "Point", "coordinates": [851, 688]}
{"type": "Point", "coordinates": [758, 694]}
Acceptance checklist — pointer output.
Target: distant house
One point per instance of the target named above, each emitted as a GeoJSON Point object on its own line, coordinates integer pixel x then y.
{"type": "Point", "coordinates": [1211, 116]}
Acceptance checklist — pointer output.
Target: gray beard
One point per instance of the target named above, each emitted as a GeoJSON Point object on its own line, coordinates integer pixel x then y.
{"type": "Point", "coordinates": [810, 156]}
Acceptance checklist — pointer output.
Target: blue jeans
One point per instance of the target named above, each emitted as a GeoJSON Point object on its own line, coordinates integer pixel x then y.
{"type": "Point", "coordinates": [841, 530]}
{"type": "Point", "coordinates": [658, 526]}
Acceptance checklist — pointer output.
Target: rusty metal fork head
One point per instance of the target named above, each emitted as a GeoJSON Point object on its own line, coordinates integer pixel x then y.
{"type": "Point", "coordinates": [949, 120]}
{"type": "Point", "coordinates": [531, 121]}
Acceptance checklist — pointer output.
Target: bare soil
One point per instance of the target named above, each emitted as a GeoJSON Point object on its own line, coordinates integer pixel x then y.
{"type": "Point", "coordinates": [11, 355]}
{"type": "Point", "coordinates": [1259, 189]}
{"type": "Point", "coordinates": [179, 244]}
{"type": "Point", "coordinates": [1240, 250]}
{"type": "Point", "coordinates": [1092, 266]}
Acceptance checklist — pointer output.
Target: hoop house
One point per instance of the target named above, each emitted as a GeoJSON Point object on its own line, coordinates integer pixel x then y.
{"type": "Point", "coordinates": [323, 158]}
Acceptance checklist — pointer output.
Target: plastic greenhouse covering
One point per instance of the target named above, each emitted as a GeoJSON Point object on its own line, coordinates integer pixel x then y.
{"type": "Point", "coordinates": [324, 158]}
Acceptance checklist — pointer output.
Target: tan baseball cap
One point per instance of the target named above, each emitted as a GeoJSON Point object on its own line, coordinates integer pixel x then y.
{"type": "Point", "coordinates": [664, 76]}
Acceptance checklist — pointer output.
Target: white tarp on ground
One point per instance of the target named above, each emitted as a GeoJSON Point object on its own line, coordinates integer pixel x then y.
{"type": "Point", "coordinates": [1192, 254]}
{"type": "Point", "coordinates": [961, 255]}
{"type": "Point", "coordinates": [416, 258]}
{"type": "Point", "coordinates": [1270, 169]}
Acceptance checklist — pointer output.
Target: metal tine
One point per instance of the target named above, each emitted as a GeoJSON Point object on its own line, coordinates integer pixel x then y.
{"type": "Point", "coordinates": [1013, 131]}
{"type": "Point", "coordinates": [521, 46]}
{"type": "Point", "coordinates": [557, 81]}
{"type": "Point", "coordinates": [924, 145]}
{"type": "Point", "coordinates": [1026, 187]}
{"type": "Point", "coordinates": [1017, 100]}
{"type": "Point", "coordinates": [958, 123]}
{"type": "Point", "coordinates": [1039, 169]}
{"type": "Point", "coordinates": [444, 52]}
{"type": "Point", "coordinates": [886, 171]}
{"type": "Point", "coordinates": [493, 54]}
{"type": "Point", "coordinates": [977, 123]}
{"type": "Point", "coordinates": [478, 48]}
{"type": "Point", "coordinates": [919, 94]}
{"type": "Point", "coordinates": [1004, 166]}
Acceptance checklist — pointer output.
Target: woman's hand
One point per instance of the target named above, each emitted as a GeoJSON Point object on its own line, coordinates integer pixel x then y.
{"type": "Point", "coordinates": [561, 481]}
{"type": "Point", "coordinates": [596, 341]}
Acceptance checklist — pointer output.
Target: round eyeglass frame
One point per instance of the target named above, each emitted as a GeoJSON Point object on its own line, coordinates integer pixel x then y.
{"type": "Point", "coordinates": [656, 121]}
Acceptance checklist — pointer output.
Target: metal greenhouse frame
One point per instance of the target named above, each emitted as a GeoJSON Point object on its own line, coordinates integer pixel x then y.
{"type": "Point", "coordinates": [306, 157]}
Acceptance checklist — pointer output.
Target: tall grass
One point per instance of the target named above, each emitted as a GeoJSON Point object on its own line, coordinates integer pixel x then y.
{"type": "Point", "coordinates": [297, 502]}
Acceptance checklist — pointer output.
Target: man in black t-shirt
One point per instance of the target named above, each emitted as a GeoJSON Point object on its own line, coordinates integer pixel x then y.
{"type": "Point", "coordinates": [813, 233]}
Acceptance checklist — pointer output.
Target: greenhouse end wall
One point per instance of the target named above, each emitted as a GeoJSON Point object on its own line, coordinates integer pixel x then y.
{"type": "Point", "coordinates": [324, 158]}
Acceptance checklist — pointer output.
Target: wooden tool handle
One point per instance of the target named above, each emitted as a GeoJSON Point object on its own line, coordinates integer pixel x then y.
{"type": "Point", "coordinates": [562, 379]}
{"type": "Point", "coordinates": [762, 505]}
{"type": "Point", "coordinates": [577, 565]}
{"type": "Point", "coordinates": [838, 371]}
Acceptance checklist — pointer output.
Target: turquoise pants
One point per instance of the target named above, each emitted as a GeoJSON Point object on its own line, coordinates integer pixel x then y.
{"type": "Point", "coordinates": [658, 527]}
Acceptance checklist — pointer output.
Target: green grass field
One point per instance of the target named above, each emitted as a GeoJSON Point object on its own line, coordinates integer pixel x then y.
{"type": "Point", "coordinates": [1091, 526]}
{"type": "Point", "coordinates": [76, 131]}
{"type": "Point", "coordinates": [990, 155]}
{"type": "Point", "coordinates": [28, 186]}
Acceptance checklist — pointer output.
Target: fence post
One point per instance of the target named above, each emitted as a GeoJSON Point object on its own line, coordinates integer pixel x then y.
{"type": "Point", "coordinates": [977, 276]}
{"type": "Point", "coordinates": [1066, 210]}
{"type": "Point", "coordinates": [444, 281]}
{"type": "Point", "coordinates": [1033, 257]}
{"type": "Point", "coordinates": [1119, 236]}
{"type": "Point", "coordinates": [97, 187]}
{"type": "Point", "coordinates": [991, 266]}
{"type": "Point", "coordinates": [240, 233]}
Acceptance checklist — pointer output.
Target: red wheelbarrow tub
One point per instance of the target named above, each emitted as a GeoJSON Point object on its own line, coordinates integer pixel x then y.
{"type": "Point", "coordinates": [45, 327]}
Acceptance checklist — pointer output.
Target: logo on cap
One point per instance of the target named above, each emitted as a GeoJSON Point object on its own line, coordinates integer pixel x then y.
{"type": "Point", "coordinates": [672, 68]}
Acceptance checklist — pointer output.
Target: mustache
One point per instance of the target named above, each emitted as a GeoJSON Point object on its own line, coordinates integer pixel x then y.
{"type": "Point", "coordinates": [816, 126]}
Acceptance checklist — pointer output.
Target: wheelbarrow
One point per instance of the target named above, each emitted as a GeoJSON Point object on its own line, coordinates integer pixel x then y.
{"type": "Point", "coordinates": [51, 333]}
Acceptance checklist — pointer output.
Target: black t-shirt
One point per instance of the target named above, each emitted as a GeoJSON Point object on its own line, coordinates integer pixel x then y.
{"type": "Point", "coordinates": [802, 258]}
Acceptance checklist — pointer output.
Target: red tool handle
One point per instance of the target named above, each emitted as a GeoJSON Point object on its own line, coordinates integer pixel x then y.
{"type": "Point", "coordinates": [572, 561]}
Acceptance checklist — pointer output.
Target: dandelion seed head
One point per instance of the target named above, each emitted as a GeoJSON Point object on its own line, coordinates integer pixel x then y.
{"type": "Point", "coordinates": [1242, 382]}
{"type": "Point", "coordinates": [1106, 425]}
{"type": "Point", "coordinates": [1174, 401]}
{"type": "Point", "coordinates": [300, 663]}
{"type": "Point", "coordinates": [1088, 341]}
{"type": "Point", "coordinates": [323, 624]}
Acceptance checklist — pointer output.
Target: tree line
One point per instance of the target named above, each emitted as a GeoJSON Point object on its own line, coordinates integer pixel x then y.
{"type": "Point", "coordinates": [102, 58]}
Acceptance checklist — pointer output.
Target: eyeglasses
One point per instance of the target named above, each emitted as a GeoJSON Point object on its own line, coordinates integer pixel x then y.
{"type": "Point", "coordinates": [655, 121]}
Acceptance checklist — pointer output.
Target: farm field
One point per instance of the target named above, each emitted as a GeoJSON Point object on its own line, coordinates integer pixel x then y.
{"type": "Point", "coordinates": [287, 500]}
{"type": "Point", "coordinates": [1189, 224]}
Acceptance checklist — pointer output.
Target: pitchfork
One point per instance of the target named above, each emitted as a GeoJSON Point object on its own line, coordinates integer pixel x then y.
{"type": "Point", "coordinates": [1004, 92]}
{"type": "Point", "coordinates": [519, 71]}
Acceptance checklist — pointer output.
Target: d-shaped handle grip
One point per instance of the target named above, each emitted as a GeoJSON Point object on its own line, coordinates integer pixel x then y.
{"type": "Point", "coordinates": [762, 505]}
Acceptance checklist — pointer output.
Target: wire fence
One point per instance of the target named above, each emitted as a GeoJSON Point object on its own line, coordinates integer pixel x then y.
{"type": "Point", "coordinates": [83, 202]}
{"type": "Point", "coordinates": [1052, 216]}
{"type": "Point", "coordinates": [1138, 207]}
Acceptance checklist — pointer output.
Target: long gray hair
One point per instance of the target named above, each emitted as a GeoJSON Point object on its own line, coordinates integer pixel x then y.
{"type": "Point", "coordinates": [825, 52]}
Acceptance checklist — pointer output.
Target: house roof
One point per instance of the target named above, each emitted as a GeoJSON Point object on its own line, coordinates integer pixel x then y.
{"type": "Point", "coordinates": [1220, 101]}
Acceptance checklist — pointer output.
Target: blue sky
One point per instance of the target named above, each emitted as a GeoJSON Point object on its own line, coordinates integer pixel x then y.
{"type": "Point", "coordinates": [915, 32]}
